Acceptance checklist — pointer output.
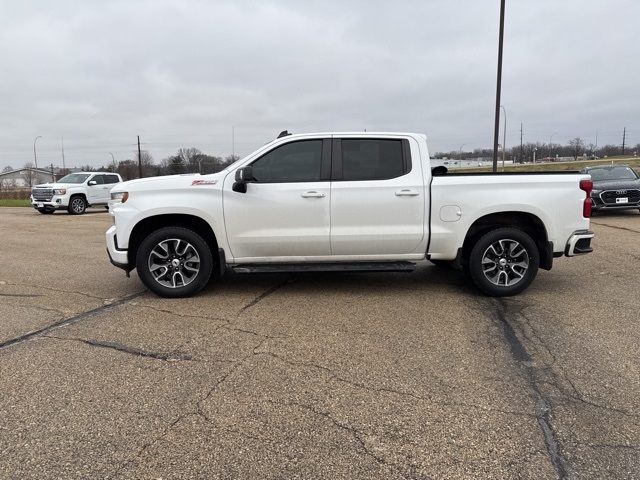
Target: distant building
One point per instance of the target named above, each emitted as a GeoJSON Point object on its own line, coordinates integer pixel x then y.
{"type": "Point", "coordinates": [451, 163]}
{"type": "Point", "coordinates": [25, 177]}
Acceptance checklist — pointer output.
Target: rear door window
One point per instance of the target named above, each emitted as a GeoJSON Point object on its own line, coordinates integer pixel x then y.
{"type": "Point", "coordinates": [373, 159]}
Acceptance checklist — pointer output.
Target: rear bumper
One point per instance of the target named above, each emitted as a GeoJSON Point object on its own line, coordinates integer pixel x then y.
{"type": "Point", "coordinates": [579, 243]}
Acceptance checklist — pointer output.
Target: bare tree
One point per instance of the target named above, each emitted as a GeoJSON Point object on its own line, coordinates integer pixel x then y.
{"type": "Point", "coordinates": [148, 165]}
{"type": "Point", "coordinates": [576, 147]}
{"type": "Point", "coordinates": [28, 174]}
{"type": "Point", "coordinates": [128, 169]}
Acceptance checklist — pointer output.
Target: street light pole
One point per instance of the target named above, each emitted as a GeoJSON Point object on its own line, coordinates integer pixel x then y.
{"type": "Point", "coordinates": [460, 152]}
{"type": "Point", "coordinates": [555, 133]}
{"type": "Point", "coordinates": [498, 88]}
{"type": "Point", "coordinates": [35, 157]}
{"type": "Point", "coordinates": [597, 140]}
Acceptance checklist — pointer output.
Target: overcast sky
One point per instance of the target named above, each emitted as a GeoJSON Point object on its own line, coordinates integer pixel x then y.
{"type": "Point", "coordinates": [228, 76]}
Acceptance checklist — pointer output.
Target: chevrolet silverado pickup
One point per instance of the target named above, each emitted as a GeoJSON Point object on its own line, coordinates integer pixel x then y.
{"type": "Point", "coordinates": [346, 202]}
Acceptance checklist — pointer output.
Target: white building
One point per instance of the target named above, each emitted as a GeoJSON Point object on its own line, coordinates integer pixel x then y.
{"type": "Point", "coordinates": [25, 177]}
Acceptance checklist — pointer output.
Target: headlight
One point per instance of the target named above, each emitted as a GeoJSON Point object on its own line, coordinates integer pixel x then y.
{"type": "Point", "coordinates": [120, 196]}
{"type": "Point", "coordinates": [59, 191]}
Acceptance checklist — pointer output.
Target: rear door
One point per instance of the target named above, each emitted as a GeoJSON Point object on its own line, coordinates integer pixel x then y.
{"type": "Point", "coordinates": [284, 214]}
{"type": "Point", "coordinates": [377, 197]}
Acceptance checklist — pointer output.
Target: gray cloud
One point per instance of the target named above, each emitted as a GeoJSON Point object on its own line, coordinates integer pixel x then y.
{"type": "Point", "coordinates": [183, 73]}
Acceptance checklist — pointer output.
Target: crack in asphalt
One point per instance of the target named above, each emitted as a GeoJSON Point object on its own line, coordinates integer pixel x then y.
{"type": "Point", "coordinates": [503, 318]}
{"type": "Point", "coordinates": [174, 313]}
{"type": "Point", "coordinates": [334, 376]}
{"type": "Point", "coordinates": [19, 295]}
{"type": "Point", "coordinates": [51, 289]}
{"type": "Point", "coordinates": [173, 356]}
{"type": "Point", "coordinates": [197, 412]}
{"type": "Point", "coordinates": [559, 379]}
{"type": "Point", "coordinates": [615, 227]}
{"type": "Point", "coordinates": [68, 321]}
{"type": "Point", "coordinates": [266, 293]}
{"type": "Point", "coordinates": [356, 434]}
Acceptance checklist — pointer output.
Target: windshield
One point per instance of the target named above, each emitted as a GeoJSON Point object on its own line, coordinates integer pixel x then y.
{"type": "Point", "coordinates": [74, 178]}
{"type": "Point", "coordinates": [612, 173]}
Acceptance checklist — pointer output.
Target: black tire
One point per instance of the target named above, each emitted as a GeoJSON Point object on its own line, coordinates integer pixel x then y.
{"type": "Point", "coordinates": [174, 262]}
{"type": "Point", "coordinates": [45, 211]}
{"type": "Point", "coordinates": [503, 262]}
{"type": "Point", "coordinates": [77, 205]}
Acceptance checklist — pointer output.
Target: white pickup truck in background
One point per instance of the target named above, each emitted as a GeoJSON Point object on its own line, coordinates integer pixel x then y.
{"type": "Point", "coordinates": [75, 192]}
{"type": "Point", "coordinates": [346, 202]}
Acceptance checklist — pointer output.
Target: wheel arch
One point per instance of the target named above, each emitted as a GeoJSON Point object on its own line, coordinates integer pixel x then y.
{"type": "Point", "coordinates": [151, 224]}
{"type": "Point", "coordinates": [79, 194]}
{"type": "Point", "coordinates": [529, 223]}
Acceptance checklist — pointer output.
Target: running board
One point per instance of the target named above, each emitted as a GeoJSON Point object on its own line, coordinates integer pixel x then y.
{"type": "Point", "coordinates": [325, 267]}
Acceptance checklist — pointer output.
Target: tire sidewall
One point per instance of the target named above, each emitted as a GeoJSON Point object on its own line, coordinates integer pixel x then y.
{"type": "Point", "coordinates": [202, 248]}
{"type": "Point", "coordinates": [73, 200]}
{"type": "Point", "coordinates": [475, 270]}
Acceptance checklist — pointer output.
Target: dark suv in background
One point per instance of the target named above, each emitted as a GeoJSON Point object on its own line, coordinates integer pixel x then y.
{"type": "Point", "coordinates": [615, 187]}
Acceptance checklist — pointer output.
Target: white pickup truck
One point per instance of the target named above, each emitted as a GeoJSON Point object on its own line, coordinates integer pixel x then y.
{"type": "Point", "coordinates": [75, 192]}
{"type": "Point", "coordinates": [346, 202]}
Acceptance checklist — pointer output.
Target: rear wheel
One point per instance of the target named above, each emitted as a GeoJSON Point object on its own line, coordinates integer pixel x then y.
{"type": "Point", "coordinates": [174, 262]}
{"type": "Point", "coordinates": [503, 262]}
{"type": "Point", "coordinates": [77, 205]}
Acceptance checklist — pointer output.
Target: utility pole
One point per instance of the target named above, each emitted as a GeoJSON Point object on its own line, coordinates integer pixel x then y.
{"type": "Point", "coordinates": [63, 165]}
{"type": "Point", "coordinates": [496, 131]}
{"type": "Point", "coordinates": [624, 135]}
{"type": "Point", "coordinates": [139, 158]}
{"type": "Point", "coordinates": [521, 146]}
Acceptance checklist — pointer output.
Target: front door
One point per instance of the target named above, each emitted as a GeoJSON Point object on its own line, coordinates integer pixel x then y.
{"type": "Point", "coordinates": [284, 214]}
{"type": "Point", "coordinates": [98, 193]}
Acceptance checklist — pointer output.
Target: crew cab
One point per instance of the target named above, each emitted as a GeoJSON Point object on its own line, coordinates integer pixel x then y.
{"type": "Point", "coordinates": [75, 192]}
{"type": "Point", "coordinates": [346, 202]}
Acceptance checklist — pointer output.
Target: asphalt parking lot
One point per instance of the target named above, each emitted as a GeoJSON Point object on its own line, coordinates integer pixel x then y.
{"type": "Point", "coordinates": [358, 376]}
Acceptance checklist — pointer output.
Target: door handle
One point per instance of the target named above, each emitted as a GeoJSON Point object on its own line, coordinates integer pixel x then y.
{"type": "Point", "coordinates": [407, 193]}
{"type": "Point", "coordinates": [313, 194]}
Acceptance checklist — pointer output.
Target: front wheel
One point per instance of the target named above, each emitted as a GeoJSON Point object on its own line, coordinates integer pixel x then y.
{"type": "Point", "coordinates": [503, 262]}
{"type": "Point", "coordinates": [174, 262]}
{"type": "Point", "coordinates": [77, 205]}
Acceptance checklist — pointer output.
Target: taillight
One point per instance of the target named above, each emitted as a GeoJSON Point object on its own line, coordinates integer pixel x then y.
{"type": "Point", "coordinates": [587, 186]}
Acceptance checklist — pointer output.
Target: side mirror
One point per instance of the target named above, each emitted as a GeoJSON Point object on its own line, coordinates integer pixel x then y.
{"type": "Point", "coordinates": [439, 171]}
{"type": "Point", "coordinates": [244, 175]}
{"type": "Point", "coordinates": [92, 183]}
